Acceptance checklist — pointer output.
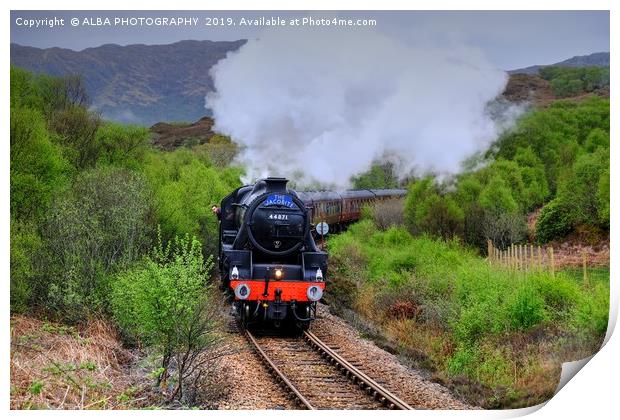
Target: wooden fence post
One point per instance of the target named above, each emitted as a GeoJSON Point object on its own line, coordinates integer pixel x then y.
{"type": "Point", "coordinates": [489, 250]}
{"type": "Point", "coordinates": [540, 258]}
{"type": "Point", "coordinates": [586, 280]}
{"type": "Point", "coordinates": [551, 262]}
{"type": "Point", "coordinates": [515, 262]}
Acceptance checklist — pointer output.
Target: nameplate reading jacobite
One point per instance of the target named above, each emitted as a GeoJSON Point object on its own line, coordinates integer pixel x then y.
{"type": "Point", "coordinates": [279, 200]}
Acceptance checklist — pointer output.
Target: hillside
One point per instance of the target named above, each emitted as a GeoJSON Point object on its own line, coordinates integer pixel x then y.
{"type": "Point", "coordinates": [528, 88]}
{"type": "Point", "coordinates": [167, 136]}
{"type": "Point", "coordinates": [136, 83]}
{"type": "Point", "coordinates": [594, 59]}
{"type": "Point", "coordinates": [146, 84]}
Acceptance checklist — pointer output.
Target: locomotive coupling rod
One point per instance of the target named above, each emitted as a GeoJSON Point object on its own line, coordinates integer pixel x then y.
{"type": "Point", "coordinates": [277, 371]}
{"type": "Point", "coordinates": [393, 400]}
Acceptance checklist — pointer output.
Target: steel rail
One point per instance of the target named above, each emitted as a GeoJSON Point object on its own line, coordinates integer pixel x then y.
{"type": "Point", "coordinates": [274, 369]}
{"type": "Point", "coordinates": [356, 376]}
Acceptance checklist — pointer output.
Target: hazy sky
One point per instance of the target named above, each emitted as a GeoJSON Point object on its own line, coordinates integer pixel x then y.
{"type": "Point", "coordinates": [509, 39]}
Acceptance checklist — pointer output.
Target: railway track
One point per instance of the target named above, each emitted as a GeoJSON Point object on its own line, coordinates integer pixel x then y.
{"type": "Point", "coordinates": [317, 377]}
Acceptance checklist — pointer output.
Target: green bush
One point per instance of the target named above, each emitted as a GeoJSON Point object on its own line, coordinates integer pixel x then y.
{"type": "Point", "coordinates": [555, 221]}
{"type": "Point", "coordinates": [548, 131]}
{"type": "Point", "coordinates": [526, 307]}
{"type": "Point", "coordinates": [603, 198]}
{"type": "Point", "coordinates": [597, 138]}
{"type": "Point", "coordinates": [592, 313]}
{"type": "Point", "coordinates": [149, 301]}
{"type": "Point", "coordinates": [496, 197]}
{"type": "Point", "coordinates": [121, 145]}
{"type": "Point", "coordinates": [166, 304]}
{"type": "Point", "coordinates": [76, 128]}
{"type": "Point", "coordinates": [431, 211]}
{"type": "Point", "coordinates": [535, 188]}
{"type": "Point", "coordinates": [582, 198]}
{"type": "Point", "coordinates": [579, 191]}
{"type": "Point", "coordinates": [463, 361]}
{"type": "Point", "coordinates": [184, 188]}
{"type": "Point", "coordinates": [26, 268]}
{"type": "Point", "coordinates": [220, 150]}
{"type": "Point", "coordinates": [480, 313]}
{"type": "Point", "coordinates": [380, 175]}
{"type": "Point", "coordinates": [571, 81]}
{"type": "Point", "coordinates": [38, 168]}
{"type": "Point", "coordinates": [101, 223]}
{"type": "Point", "coordinates": [559, 293]}
{"type": "Point", "coordinates": [385, 214]}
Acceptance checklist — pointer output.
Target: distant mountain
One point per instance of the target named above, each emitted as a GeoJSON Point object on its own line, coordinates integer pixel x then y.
{"type": "Point", "coordinates": [138, 83]}
{"type": "Point", "coordinates": [595, 59]}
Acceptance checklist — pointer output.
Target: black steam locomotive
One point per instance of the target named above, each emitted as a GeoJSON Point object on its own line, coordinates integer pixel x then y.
{"type": "Point", "coordinates": [268, 257]}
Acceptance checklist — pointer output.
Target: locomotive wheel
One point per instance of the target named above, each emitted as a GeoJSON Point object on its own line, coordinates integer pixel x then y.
{"type": "Point", "coordinates": [242, 314]}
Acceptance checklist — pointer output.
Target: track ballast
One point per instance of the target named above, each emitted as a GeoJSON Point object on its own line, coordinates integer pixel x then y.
{"type": "Point", "coordinates": [317, 377]}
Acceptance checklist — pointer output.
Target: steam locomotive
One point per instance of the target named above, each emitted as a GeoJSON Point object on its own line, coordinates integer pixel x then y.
{"type": "Point", "coordinates": [268, 258]}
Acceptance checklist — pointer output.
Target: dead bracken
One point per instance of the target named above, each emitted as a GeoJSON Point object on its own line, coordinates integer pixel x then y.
{"type": "Point", "coordinates": [55, 366]}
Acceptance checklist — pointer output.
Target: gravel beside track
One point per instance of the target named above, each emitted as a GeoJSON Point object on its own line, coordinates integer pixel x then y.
{"type": "Point", "coordinates": [385, 368]}
{"type": "Point", "coordinates": [249, 384]}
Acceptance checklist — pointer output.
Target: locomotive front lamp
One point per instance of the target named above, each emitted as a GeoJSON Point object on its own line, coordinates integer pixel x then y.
{"type": "Point", "coordinates": [314, 293]}
{"type": "Point", "coordinates": [278, 273]}
{"type": "Point", "coordinates": [234, 274]}
{"type": "Point", "coordinates": [319, 275]}
{"type": "Point", "coordinates": [242, 291]}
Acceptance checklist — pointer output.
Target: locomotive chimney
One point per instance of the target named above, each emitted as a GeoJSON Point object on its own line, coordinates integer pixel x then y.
{"type": "Point", "coordinates": [276, 184]}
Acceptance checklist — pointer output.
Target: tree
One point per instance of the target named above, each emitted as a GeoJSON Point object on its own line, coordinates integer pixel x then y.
{"type": "Point", "coordinates": [98, 225]}
{"type": "Point", "coordinates": [503, 228]}
{"type": "Point", "coordinates": [27, 265]}
{"type": "Point", "coordinates": [535, 188]}
{"type": "Point", "coordinates": [166, 304]}
{"type": "Point", "coordinates": [122, 145]}
{"type": "Point", "coordinates": [579, 191]}
{"type": "Point", "coordinates": [429, 210]}
{"type": "Point", "coordinates": [380, 175]}
{"type": "Point", "coordinates": [185, 186]}
{"type": "Point", "coordinates": [220, 150]}
{"type": "Point", "coordinates": [496, 197]}
{"type": "Point", "coordinates": [603, 198]}
{"type": "Point", "coordinates": [503, 223]}
{"type": "Point", "coordinates": [418, 191]}
{"type": "Point", "coordinates": [440, 216]}
{"type": "Point", "coordinates": [77, 130]}
{"type": "Point", "coordinates": [555, 221]}
{"type": "Point", "coordinates": [37, 165]}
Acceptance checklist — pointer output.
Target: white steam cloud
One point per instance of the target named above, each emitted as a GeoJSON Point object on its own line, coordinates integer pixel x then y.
{"type": "Point", "coordinates": [319, 106]}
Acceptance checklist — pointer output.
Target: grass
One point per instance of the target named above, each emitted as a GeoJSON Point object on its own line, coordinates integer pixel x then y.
{"type": "Point", "coordinates": [498, 336]}
{"type": "Point", "coordinates": [55, 366]}
{"type": "Point", "coordinates": [597, 275]}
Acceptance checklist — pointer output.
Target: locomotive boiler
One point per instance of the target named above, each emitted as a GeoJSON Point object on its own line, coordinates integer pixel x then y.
{"type": "Point", "coordinates": [268, 259]}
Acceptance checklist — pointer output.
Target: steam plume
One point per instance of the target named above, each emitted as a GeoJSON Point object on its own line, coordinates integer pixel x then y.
{"type": "Point", "coordinates": [320, 105]}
